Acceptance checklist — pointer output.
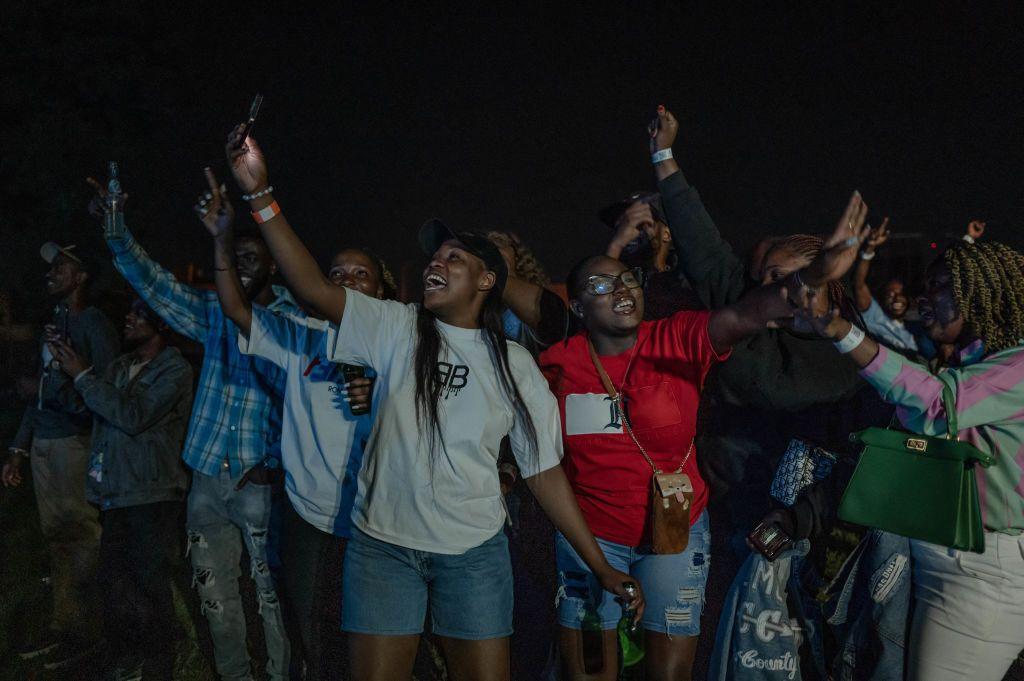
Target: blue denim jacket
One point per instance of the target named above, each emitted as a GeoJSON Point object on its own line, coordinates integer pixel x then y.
{"type": "Point", "coordinates": [869, 609]}
{"type": "Point", "coordinates": [759, 638]}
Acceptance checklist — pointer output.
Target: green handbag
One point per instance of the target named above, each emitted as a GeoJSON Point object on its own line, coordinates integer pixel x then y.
{"type": "Point", "coordinates": [918, 486]}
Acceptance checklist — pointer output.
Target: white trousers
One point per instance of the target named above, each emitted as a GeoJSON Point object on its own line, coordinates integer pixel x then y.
{"type": "Point", "coordinates": [968, 610]}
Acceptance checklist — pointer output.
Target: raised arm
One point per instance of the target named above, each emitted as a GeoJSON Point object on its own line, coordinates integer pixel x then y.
{"type": "Point", "coordinates": [218, 215]}
{"type": "Point", "coordinates": [182, 307]}
{"type": "Point", "coordinates": [861, 292]}
{"type": "Point", "coordinates": [540, 309]}
{"type": "Point", "coordinates": [774, 305]}
{"type": "Point", "coordinates": [761, 307]}
{"type": "Point", "coordinates": [714, 271]}
{"type": "Point", "coordinates": [300, 270]}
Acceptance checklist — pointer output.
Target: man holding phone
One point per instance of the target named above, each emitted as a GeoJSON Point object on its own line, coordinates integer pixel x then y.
{"type": "Point", "coordinates": [55, 430]}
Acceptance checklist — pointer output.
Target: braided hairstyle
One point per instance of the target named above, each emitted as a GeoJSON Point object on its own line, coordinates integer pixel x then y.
{"type": "Point", "coordinates": [528, 268]}
{"type": "Point", "coordinates": [387, 279]}
{"type": "Point", "coordinates": [988, 287]}
{"type": "Point", "coordinates": [809, 246]}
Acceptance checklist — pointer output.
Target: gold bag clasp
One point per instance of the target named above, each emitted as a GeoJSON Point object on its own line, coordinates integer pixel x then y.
{"type": "Point", "coordinates": [917, 444]}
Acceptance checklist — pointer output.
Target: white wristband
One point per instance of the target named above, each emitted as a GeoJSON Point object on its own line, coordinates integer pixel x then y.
{"type": "Point", "coordinates": [659, 156]}
{"type": "Point", "coordinates": [850, 341]}
{"type": "Point", "coordinates": [968, 238]}
{"type": "Point", "coordinates": [864, 255]}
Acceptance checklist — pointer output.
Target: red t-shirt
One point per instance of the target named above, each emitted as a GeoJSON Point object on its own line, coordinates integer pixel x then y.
{"type": "Point", "coordinates": [666, 370]}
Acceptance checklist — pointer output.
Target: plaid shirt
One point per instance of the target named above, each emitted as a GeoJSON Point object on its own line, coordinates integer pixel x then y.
{"type": "Point", "coordinates": [236, 416]}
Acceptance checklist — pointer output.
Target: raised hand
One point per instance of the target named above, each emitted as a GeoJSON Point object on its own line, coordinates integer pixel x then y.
{"type": "Point", "coordinates": [630, 226]}
{"type": "Point", "coordinates": [100, 208]}
{"type": "Point", "coordinates": [814, 317]}
{"type": "Point", "coordinates": [975, 229]}
{"type": "Point", "coordinates": [840, 250]}
{"type": "Point", "coordinates": [214, 208]}
{"type": "Point", "coordinates": [662, 130]}
{"type": "Point", "coordinates": [877, 237]}
{"type": "Point", "coordinates": [247, 162]}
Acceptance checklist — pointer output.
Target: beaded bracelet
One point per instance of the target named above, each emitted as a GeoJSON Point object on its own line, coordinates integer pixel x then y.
{"type": "Point", "coordinates": [263, 192]}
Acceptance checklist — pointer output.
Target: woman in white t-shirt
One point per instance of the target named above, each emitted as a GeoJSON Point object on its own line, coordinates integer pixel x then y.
{"type": "Point", "coordinates": [427, 520]}
{"type": "Point", "coordinates": [327, 419]}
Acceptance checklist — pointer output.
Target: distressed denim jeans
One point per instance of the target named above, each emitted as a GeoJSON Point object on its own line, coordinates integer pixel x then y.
{"type": "Point", "coordinates": [220, 518]}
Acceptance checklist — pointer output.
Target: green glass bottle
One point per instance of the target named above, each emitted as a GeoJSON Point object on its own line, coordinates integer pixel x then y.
{"type": "Point", "coordinates": [631, 634]}
{"type": "Point", "coordinates": [592, 642]}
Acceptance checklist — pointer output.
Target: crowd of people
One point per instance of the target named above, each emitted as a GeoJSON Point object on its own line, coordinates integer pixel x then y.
{"type": "Point", "coordinates": [451, 464]}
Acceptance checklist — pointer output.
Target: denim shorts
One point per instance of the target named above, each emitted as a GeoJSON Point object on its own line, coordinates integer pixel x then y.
{"type": "Point", "coordinates": [387, 588]}
{"type": "Point", "coordinates": [673, 584]}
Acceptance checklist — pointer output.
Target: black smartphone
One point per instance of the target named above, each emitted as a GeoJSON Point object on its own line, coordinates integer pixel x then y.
{"type": "Point", "coordinates": [254, 110]}
{"type": "Point", "coordinates": [769, 540]}
{"type": "Point", "coordinates": [352, 372]}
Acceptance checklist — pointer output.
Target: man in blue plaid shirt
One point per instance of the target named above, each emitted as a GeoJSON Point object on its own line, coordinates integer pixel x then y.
{"type": "Point", "coordinates": [232, 442]}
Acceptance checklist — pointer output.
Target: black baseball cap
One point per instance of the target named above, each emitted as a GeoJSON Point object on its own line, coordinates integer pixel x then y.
{"type": "Point", "coordinates": [609, 215]}
{"type": "Point", "coordinates": [434, 232]}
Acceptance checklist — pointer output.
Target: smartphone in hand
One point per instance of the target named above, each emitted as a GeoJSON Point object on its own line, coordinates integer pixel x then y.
{"type": "Point", "coordinates": [769, 540]}
{"type": "Point", "coordinates": [254, 110]}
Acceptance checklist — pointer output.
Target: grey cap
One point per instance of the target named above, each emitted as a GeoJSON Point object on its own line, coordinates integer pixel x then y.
{"type": "Point", "coordinates": [50, 250]}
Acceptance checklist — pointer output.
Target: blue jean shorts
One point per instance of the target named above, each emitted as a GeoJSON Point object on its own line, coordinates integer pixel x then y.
{"type": "Point", "coordinates": [387, 588]}
{"type": "Point", "coordinates": [673, 584]}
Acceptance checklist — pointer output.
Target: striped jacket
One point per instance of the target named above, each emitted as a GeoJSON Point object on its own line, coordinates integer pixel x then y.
{"type": "Point", "coordinates": [989, 393]}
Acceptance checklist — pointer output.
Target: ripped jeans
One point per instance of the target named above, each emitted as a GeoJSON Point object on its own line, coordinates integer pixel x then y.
{"type": "Point", "coordinates": [219, 520]}
{"type": "Point", "coordinates": [673, 584]}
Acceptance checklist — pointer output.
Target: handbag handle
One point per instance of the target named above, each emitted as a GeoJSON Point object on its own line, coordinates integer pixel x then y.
{"type": "Point", "coordinates": [949, 403]}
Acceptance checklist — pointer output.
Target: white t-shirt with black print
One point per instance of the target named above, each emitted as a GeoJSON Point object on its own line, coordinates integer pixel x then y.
{"type": "Point", "coordinates": [322, 441]}
{"type": "Point", "coordinates": [448, 501]}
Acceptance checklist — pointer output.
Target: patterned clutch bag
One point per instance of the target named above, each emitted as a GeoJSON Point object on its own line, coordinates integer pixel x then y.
{"type": "Point", "coordinates": [801, 466]}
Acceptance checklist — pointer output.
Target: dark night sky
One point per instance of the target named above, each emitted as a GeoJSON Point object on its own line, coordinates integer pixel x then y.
{"type": "Point", "coordinates": [527, 121]}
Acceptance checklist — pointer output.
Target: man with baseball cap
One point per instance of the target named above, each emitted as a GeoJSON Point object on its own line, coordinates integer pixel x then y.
{"type": "Point", "coordinates": [55, 430]}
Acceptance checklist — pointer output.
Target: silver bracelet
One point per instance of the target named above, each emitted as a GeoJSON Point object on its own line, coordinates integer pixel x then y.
{"type": "Point", "coordinates": [864, 255]}
{"type": "Point", "coordinates": [263, 192]}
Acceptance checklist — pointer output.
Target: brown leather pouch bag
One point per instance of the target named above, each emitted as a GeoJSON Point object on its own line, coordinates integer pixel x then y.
{"type": "Point", "coordinates": [671, 498]}
{"type": "Point", "coordinates": [671, 493]}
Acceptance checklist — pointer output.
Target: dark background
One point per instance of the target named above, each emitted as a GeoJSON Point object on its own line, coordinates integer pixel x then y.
{"type": "Point", "coordinates": [525, 120]}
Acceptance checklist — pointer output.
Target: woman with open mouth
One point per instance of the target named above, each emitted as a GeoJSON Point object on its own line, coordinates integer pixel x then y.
{"type": "Point", "coordinates": [427, 518]}
{"type": "Point", "coordinates": [968, 608]}
{"type": "Point", "coordinates": [628, 392]}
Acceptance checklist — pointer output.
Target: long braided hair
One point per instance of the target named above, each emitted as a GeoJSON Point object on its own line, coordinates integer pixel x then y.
{"type": "Point", "coordinates": [988, 286]}
{"type": "Point", "coordinates": [809, 246]}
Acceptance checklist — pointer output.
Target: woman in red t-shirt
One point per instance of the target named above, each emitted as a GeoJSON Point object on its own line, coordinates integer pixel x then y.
{"type": "Point", "coordinates": [658, 368]}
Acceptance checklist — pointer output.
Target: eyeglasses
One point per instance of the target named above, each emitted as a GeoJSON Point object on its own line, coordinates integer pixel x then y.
{"type": "Point", "coordinates": [603, 284]}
